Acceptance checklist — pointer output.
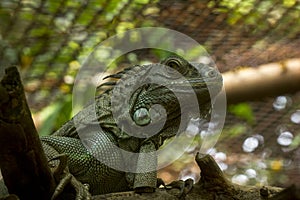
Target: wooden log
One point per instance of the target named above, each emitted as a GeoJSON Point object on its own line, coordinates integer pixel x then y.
{"type": "Point", "coordinates": [212, 185]}
{"type": "Point", "coordinates": [273, 79]}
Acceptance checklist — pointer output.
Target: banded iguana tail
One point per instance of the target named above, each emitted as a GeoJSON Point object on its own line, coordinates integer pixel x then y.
{"type": "Point", "coordinates": [181, 81]}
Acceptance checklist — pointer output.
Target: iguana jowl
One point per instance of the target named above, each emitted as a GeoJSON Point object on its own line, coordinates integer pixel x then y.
{"type": "Point", "coordinates": [103, 179]}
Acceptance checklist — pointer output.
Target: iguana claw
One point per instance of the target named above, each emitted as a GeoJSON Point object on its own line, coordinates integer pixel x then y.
{"type": "Point", "coordinates": [184, 186]}
{"type": "Point", "coordinates": [64, 177]}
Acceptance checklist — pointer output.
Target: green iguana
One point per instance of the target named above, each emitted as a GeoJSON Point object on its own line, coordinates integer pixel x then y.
{"type": "Point", "coordinates": [82, 163]}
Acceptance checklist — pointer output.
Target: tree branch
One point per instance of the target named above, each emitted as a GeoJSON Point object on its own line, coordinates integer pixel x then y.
{"type": "Point", "coordinates": [246, 84]}
{"type": "Point", "coordinates": [212, 185]}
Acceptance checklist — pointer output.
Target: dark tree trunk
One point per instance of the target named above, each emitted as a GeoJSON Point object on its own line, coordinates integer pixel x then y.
{"type": "Point", "coordinates": [23, 164]}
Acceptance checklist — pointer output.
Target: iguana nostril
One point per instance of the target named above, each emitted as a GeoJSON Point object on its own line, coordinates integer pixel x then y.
{"type": "Point", "coordinates": [141, 117]}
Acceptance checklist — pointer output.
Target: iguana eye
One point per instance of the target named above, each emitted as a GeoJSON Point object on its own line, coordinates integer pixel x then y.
{"type": "Point", "coordinates": [211, 73]}
{"type": "Point", "coordinates": [173, 63]}
{"type": "Point", "coordinates": [176, 65]}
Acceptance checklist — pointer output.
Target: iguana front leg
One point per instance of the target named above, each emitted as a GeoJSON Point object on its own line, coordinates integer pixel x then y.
{"type": "Point", "coordinates": [64, 178]}
{"type": "Point", "coordinates": [145, 179]}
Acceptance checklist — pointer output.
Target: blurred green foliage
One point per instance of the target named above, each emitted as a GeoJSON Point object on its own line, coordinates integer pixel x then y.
{"type": "Point", "coordinates": [233, 131]}
{"type": "Point", "coordinates": [296, 142]}
{"type": "Point", "coordinates": [243, 111]}
{"type": "Point", "coordinates": [55, 114]}
{"type": "Point", "coordinates": [50, 39]}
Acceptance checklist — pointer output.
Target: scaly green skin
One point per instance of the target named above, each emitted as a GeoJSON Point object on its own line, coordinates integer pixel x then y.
{"type": "Point", "coordinates": [103, 179]}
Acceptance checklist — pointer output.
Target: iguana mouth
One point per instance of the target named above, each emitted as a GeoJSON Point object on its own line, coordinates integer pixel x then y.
{"type": "Point", "coordinates": [198, 85]}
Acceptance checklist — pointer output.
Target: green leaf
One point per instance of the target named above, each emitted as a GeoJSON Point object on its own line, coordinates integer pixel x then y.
{"type": "Point", "coordinates": [236, 130]}
{"type": "Point", "coordinates": [53, 5]}
{"type": "Point", "coordinates": [141, 1]}
{"type": "Point", "coordinates": [289, 3]}
{"type": "Point", "coordinates": [40, 31]}
{"type": "Point", "coordinates": [296, 142]}
{"type": "Point", "coordinates": [244, 111]}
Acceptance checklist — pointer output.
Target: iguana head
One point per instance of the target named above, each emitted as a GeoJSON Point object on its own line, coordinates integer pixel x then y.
{"type": "Point", "coordinates": [155, 98]}
{"type": "Point", "coordinates": [180, 82]}
{"type": "Point", "coordinates": [206, 81]}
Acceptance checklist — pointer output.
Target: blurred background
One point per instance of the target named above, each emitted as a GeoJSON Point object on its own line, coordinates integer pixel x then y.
{"type": "Point", "coordinates": [48, 40]}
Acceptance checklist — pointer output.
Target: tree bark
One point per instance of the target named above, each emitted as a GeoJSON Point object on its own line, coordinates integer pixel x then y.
{"type": "Point", "coordinates": [212, 185]}
{"type": "Point", "coordinates": [23, 164]}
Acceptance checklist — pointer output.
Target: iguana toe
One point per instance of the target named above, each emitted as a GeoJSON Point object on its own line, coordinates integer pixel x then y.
{"type": "Point", "coordinates": [65, 178]}
{"type": "Point", "coordinates": [184, 186]}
